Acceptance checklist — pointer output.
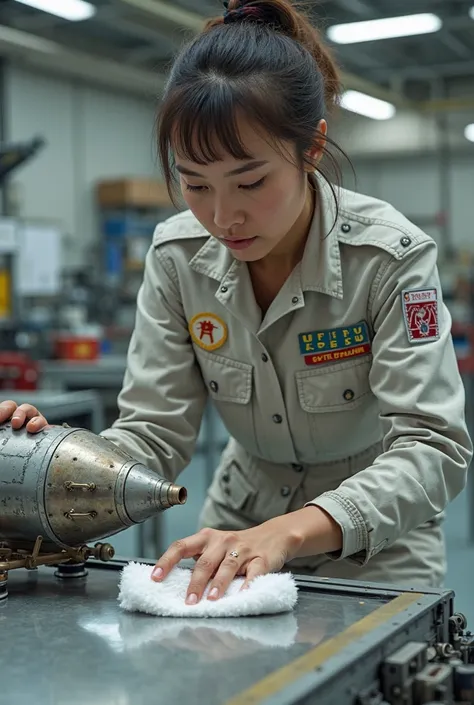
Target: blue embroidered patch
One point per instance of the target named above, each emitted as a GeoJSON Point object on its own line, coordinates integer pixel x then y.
{"type": "Point", "coordinates": [335, 343]}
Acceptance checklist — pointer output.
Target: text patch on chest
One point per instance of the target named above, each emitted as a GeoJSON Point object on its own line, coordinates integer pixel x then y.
{"type": "Point", "coordinates": [334, 344]}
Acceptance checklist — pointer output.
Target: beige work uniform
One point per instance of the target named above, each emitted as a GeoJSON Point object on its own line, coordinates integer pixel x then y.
{"type": "Point", "coordinates": [375, 437]}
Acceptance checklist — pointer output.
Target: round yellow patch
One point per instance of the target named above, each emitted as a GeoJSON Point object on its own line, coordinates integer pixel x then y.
{"type": "Point", "coordinates": [208, 331]}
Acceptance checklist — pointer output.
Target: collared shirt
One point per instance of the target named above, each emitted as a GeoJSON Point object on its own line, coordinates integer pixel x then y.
{"type": "Point", "coordinates": [355, 350]}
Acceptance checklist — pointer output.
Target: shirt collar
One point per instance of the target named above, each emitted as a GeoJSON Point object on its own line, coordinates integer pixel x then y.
{"type": "Point", "coordinates": [321, 264]}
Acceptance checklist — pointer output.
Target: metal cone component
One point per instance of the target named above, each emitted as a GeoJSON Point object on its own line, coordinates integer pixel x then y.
{"type": "Point", "coordinates": [145, 494]}
{"type": "Point", "coordinates": [72, 487]}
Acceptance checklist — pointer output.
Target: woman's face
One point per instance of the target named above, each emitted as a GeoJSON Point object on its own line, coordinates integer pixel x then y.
{"type": "Point", "coordinates": [250, 206]}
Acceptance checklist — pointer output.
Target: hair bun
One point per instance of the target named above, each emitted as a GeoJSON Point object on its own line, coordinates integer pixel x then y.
{"type": "Point", "coordinates": [284, 16]}
{"type": "Point", "coordinates": [269, 12]}
{"type": "Point", "coordinates": [249, 10]}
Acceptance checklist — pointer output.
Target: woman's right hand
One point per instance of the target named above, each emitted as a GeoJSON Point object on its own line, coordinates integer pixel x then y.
{"type": "Point", "coordinates": [26, 414]}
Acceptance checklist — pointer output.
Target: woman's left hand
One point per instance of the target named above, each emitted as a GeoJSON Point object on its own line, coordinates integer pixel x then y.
{"type": "Point", "coordinates": [221, 555]}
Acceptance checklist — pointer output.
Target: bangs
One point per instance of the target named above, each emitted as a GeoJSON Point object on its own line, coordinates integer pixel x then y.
{"type": "Point", "coordinates": [206, 129]}
{"type": "Point", "coordinates": [200, 124]}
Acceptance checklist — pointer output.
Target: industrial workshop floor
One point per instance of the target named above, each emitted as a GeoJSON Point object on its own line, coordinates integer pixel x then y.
{"type": "Point", "coordinates": [460, 576]}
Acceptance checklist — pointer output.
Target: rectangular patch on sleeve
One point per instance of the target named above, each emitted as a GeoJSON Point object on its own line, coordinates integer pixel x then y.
{"type": "Point", "coordinates": [421, 315]}
{"type": "Point", "coordinates": [334, 344]}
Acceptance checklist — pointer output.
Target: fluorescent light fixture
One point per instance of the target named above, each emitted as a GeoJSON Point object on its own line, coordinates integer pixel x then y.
{"type": "Point", "coordinates": [386, 28]}
{"type": "Point", "coordinates": [469, 132]}
{"type": "Point", "coordinates": [471, 12]}
{"type": "Point", "coordinates": [366, 105]}
{"type": "Point", "coordinates": [73, 10]}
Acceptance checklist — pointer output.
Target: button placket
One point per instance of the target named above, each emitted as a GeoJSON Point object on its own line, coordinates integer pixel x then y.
{"type": "Point", "coordinates": [272, 407]}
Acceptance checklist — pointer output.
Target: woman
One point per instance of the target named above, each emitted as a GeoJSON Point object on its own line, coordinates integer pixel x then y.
{"type": "Point", "coordinates": [312, 316]}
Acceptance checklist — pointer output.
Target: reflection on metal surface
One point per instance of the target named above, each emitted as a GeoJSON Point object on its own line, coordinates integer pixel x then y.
{"type": "Point", "coordinates": [218, 638]}
{"type": "Point", "coordinates": [65, 487]}
{"type": "Point", "coordinates": [316, 657]}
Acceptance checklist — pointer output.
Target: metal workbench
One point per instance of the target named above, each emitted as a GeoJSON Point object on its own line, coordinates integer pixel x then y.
{"type": "Point", "coordinates": [82, 409]}
{"type": "Point", "coordinates": [105, 373]}
{"type": "Point", "coordinates": [69, 642]}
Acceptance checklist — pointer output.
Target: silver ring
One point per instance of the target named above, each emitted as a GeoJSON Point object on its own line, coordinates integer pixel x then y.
{"type": "Point", "coordinates": [234, 554]}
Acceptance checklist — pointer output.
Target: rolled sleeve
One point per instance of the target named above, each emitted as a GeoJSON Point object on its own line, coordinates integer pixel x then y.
{"type": "Point", "coordinates": [426, 445]}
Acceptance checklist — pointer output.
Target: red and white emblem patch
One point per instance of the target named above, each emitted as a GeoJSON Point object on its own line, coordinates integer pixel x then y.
{"type": "Point", "coordinates": [420, 312]}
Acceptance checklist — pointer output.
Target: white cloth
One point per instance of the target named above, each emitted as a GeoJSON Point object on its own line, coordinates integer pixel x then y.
{"type": "Point", "coordinates": [266, 594]}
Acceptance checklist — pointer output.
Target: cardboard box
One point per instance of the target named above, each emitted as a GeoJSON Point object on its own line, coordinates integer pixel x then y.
{"type": "Point", "coordinates": [132, 193]}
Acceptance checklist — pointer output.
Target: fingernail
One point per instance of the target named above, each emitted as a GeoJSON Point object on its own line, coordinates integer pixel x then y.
{"type": "Point", "coordinates": [192, 599]}
{"type": "Point", "coordinates": [157, 574]}
{"type": "Point", "coordinates": [214, 593]}
{"type": "Point", "coordinates": [15, 417]}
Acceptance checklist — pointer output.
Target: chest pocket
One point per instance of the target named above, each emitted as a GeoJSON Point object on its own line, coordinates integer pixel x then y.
{"type": "Point", "coordinates": [329, 395]}
{"type": "Point", "coordinates": [230, 386]}
{"type": "Point", "coordinates": [338, 387]}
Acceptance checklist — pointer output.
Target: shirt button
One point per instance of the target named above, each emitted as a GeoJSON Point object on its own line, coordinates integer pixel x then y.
{"type": "Point", "coordinates": [224, 289]}
{"type": "Point", "coordinates": [296, 467]}
{"type": "Point", "coordinates": [214, 386]}
{"type": "Point", "coordinates": [346, 228]}
{"type": "Point", "coordinates": [225, 477]}
{"type": "Point", "coordinates": [277, 418]}
{"type": "Point", "coordinates": [349, 395]}
{"type": "Point", "coordinates": [264, 357]}
{"type": "Point", "coordinates": [295, 300]}
{"type": "Point", "coordinates": [405, 241]}
{"type": "Point", "coordinates": [285, 491]}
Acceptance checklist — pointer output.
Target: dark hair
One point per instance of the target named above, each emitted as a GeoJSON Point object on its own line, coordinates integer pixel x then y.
{"type": "Point", "coordinates": [264, 59]}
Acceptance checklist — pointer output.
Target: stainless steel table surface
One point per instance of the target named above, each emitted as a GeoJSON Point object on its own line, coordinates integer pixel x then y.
{"type": "Point", "coordinates": [69, 642]}
{"type": "Point", "coordinates": [105, 372]}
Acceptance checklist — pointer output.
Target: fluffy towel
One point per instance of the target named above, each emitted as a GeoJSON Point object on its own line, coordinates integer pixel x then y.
{"type": "Point", "coordinates": [267, 594]}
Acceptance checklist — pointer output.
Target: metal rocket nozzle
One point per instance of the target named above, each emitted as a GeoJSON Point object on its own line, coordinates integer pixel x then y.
{"type": "Point", "coordinates": [145, 494]}
{"type": "Point", "coordinates": [72, 487]}
{"type": "Point", "coordinates": [177, 495]}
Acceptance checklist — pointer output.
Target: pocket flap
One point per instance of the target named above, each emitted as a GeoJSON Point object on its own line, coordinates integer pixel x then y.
{"type": "Point", "coordinates": [338, 387]}
{"type": "Point", "coordinates": [226, 379]}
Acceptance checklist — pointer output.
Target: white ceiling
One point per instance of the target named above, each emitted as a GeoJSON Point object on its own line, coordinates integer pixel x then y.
{"type": "Point", "coordinates": [130, 43]}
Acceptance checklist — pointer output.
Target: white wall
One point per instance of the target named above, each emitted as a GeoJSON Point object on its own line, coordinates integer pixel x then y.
{"type": "Point", "coordinates": [414, 186]}
{"type": "Point", "coordinates": [94, 134]}
{"type": "Point", "coordinates": [91, 134]}
{"type": "Point", "coordinates": [399, 161]}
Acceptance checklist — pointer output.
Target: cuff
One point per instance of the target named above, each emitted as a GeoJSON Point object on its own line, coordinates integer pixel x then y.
{"type": "Point", "coordinates": [355, 537]}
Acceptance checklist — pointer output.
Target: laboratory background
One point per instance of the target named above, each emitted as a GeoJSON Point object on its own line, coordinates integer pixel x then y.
{"type": "Point", "coordinates": [81, 193]}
